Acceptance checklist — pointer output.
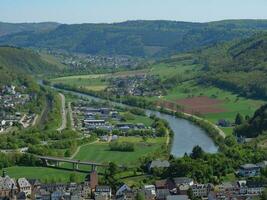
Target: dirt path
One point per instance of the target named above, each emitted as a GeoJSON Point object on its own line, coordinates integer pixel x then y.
{"type": "Point", "coordinates": [79, 148]}
{"type": "Point", "coordinates": [35, 120]}
{"type": "Point", "coordinates": [214, 125]}
{"type": "Point", "coordinates": [198, 118]}
{"type": "Point", "coordinates": [63, 113]}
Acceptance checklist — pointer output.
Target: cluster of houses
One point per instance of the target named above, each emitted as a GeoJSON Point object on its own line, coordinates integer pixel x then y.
{"type": "Point", "coordinates": [10, 99]}
{"type": "Point", "coordinates": [88, 119]}
{"type": "Point", "coordinates": [86, 61]}
{"type": "Point", "coordinates": [180, 187]}
{"type": "Point", "coordinates": [176, 188]}
{"type": "Point", "coordinates": [138, 85]}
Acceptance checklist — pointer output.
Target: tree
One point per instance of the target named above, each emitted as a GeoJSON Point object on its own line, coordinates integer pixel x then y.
{"type": "Point", "coordinates": [74, 177]}
{"type": "Point", "coordinates": [239, 119]}
{"type": "Point", "coordinates": [197, 152]}
{"type": "Point", "coordinates": [140, 196]}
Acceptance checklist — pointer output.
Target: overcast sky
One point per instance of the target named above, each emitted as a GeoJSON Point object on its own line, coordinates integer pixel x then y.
{"type": "Point", "coordinates": [95, 11]}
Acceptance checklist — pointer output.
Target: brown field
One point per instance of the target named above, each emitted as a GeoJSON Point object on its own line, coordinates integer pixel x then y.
{"type": "Point", "coordinates": [195, 105]}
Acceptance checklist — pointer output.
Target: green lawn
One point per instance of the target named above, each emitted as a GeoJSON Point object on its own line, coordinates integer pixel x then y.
{"type": "Point", "coordinates": [43, 173]}
{"type": "Point", "coordinates": [99, 152]}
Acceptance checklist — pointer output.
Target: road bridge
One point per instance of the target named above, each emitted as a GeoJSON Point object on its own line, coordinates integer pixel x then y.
{"type": "Point", "coordinates": [75, 163]}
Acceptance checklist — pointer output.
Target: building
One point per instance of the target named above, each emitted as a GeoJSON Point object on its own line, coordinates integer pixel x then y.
{"type": "Point", "coordinates": [8, 187]}
{"type": "Point", "coordinates": [93, 180]}
{"type": "Point", "coordinates": [249, 170]}
{"type": "Point", "coordinates": [123, 190]}
{"type": "Point", "coordinates": [150, 190]}
{"type": "Point", "coordinates": [201, 190]}
{"type": "Point", "coordinates": [165, 184]}
{"type": "Point", "coordinates": [102, 192]}
{"type": "Point", "coordinates": [162, 194]}
{"type": "Point", "coordinates": [24, 186]}
{"type": "Point", "coordinates": [262, 164]}
{"type": "Point", "coordinates": [177, 197]}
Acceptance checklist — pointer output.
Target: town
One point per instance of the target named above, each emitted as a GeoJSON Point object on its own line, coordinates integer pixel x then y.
{"type": "Point", "coordinates": [12, 101]}
{"type": "Point", "coordinates": [87, 62]}
{"type": "Point", "coordinates": [137, 85]}
{"type": "Point", "coordinates": [174, 188]}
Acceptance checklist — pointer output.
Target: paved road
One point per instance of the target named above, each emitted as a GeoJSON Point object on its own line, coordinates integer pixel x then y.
{"type": "Point", "coordinates": [71, 116]}
{"type": "Point", "coordinates": [63, 113]}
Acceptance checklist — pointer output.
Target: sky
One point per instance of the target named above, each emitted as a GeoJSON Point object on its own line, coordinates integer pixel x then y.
{"type": "Point", "coordinates": [108, 11]}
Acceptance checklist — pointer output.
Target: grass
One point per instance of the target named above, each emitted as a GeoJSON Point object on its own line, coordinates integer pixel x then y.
{"type": "Point", "coordinates": [52, 60]}
{"type": "Point", "coordinates": [232, 103]}
{"type": "Point", "coordinates": [99, 152]}
{"type": "Point", "coordinates": [44, 174]}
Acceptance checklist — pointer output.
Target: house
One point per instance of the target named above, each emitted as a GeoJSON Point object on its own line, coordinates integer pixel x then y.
{"type": "Point", "coordinates": [183, 181]}
{"type": "Point", "coordinates": [42, 195]}
{"type": "Point", "coordinates": [223, 123]}
{"type": "Point", "coordinates": [165, 184]}
{"type": "Point", "coordinates": [24, 186]}
{"type": "Point", "coordinates": [249, 170]}
{"type": "Point", "coordinates": [8, 186]}
{"type": "Point", "coordinates": [151, 190]}
{"type": "Point", "coordinates": [57, 195]}
{"type": "Point", "coordinates": [201, 190]}
{"type": "Point", "coordinates": [177, 197]}
{"type": "Point", "coordinates": [255, 188]}
{"type": "Point", "coordinates": [102, 192]}
{"type": "Point", "coordinates": [162, 194]}
{"type": "Point", "coordinates": [158, 164]}
{"type": "Point", "coordinates": [262, 164]}
{"type": "Point", "coordinates": [122, 190]}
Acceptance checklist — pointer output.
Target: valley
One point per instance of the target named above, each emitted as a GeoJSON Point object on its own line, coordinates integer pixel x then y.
{"type": "Point", "coordinates": [137, 101]}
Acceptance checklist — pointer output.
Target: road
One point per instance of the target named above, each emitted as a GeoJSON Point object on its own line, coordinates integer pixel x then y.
{"type": "Point", "coordinates": [63, 113]}
{"type": "Point", "coordinates": [71, 116]}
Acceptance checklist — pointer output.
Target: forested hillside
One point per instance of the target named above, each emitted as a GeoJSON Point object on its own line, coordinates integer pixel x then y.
{"type": "Point", "coordinates": [237, 66]}
{"type": "Point", "coordinates": [254, 126]}
{"type": "Point", "coordinates": [136, 38]}
{"type": "Point", "coordinates": [10, 28]}
{"type": "Point", "coordinates": [23, 61]}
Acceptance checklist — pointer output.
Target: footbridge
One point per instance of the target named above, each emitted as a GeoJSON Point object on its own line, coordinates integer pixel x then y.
{"type": "Point", "coordinates": [54, 161]}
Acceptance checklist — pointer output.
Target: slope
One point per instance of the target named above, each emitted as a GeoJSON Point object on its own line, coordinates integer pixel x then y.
{"type": "Point", "coordinates": [136, 38]}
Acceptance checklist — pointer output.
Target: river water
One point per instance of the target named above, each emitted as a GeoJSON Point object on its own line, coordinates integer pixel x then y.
{"type": "Point", "coordinates": [186, 134]}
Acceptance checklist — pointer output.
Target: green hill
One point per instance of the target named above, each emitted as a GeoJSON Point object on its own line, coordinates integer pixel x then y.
{"type": "Point", "coordinates": [24, 61]}
{"type": "Point", "coordinates": [136, 38]}
{"type": "Point", "coordinates": [10, 28]}
{"type": "Point", "coordinates": [239, 66]}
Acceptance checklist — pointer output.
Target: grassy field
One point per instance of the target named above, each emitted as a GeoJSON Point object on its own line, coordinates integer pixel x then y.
{"type": "Point", "coordinates": [44, 174]}
{"type": "Point", "coordinates": [99, 152]}
{"type": "Point", "coordinates": [232, 103]}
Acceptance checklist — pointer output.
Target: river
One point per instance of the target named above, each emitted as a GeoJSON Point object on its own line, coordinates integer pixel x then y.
{"type": "Point", "coordinates": [186, 134]}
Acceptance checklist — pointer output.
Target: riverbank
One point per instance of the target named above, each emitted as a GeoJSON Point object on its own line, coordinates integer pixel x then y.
{"type": "Point", "coordinates": [209, 129]}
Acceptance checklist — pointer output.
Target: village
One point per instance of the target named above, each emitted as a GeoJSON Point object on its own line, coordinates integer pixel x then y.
{"type": "Point", "coordinates": [174, 188]}
{"type": "Point", "coordinates": [87, 61]}
{"type": "Point", "coordinates": [11, 102]}
{"type": "Point", "coordinates": [136, 85]}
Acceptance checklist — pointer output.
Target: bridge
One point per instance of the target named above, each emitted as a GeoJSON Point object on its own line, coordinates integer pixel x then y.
{"type": "Point", "coordinates": [75, 163]}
